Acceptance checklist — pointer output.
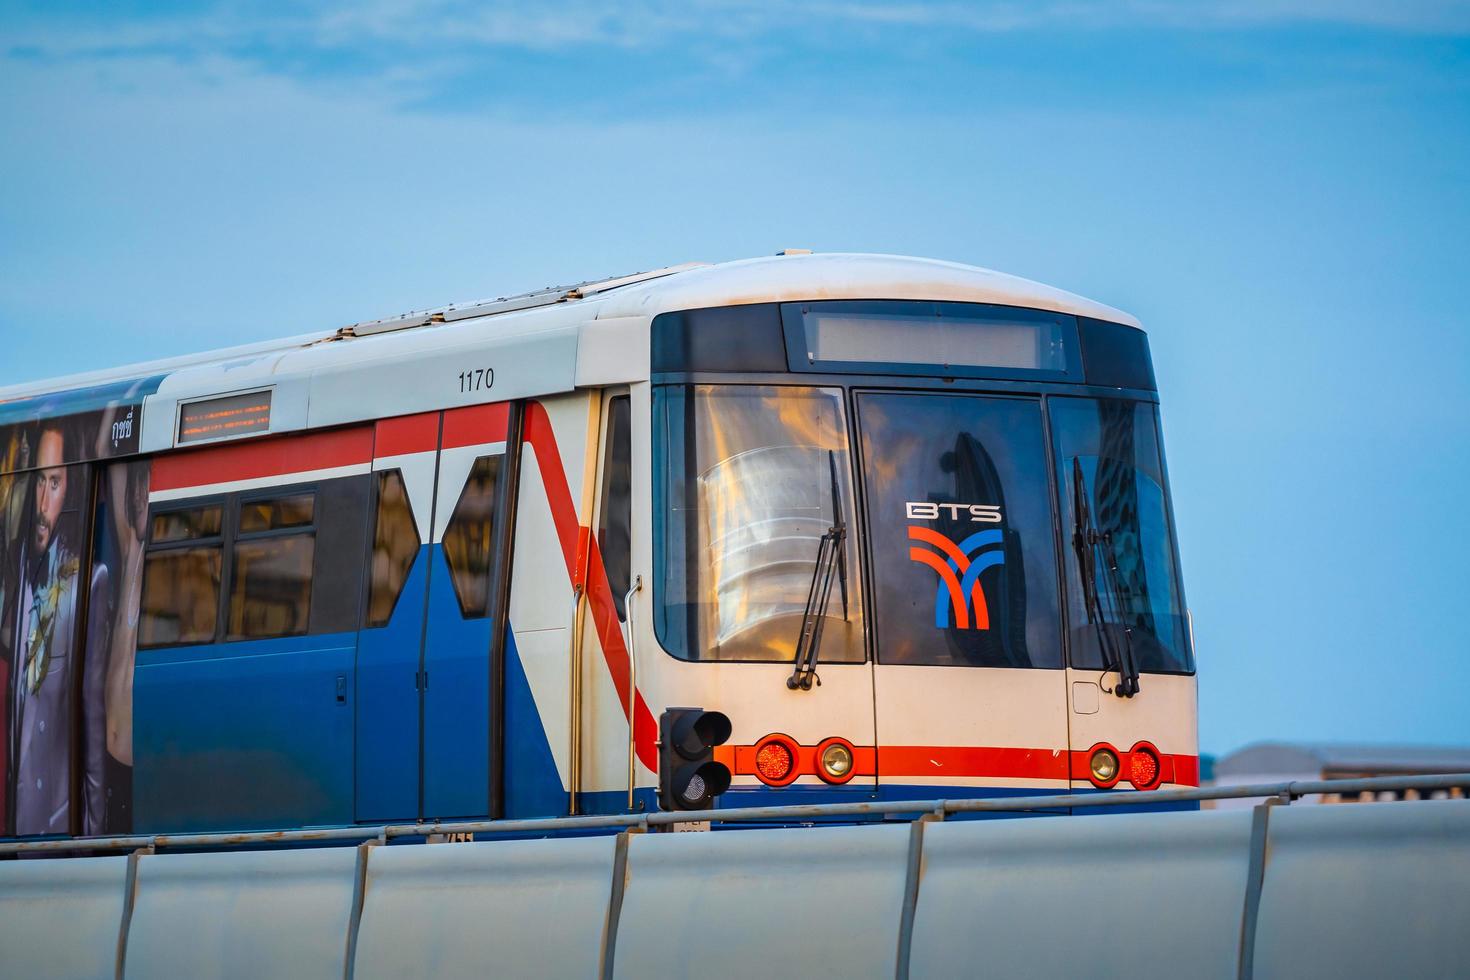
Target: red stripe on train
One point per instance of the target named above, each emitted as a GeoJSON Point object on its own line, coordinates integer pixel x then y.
{"type": "Point", "coordinates": [407, 434]}
{"type": "Point", "coordinates": [475, 425]}
{"type": "Point", "coordinates": [958, 761]}
{"type": "Point", "coordinates": [263, 458]}
{"type": "Point", "coordinates": [542, 439]}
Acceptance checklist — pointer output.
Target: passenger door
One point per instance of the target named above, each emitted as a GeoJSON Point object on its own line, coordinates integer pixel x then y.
{"type": "Point", "coordinates": [969, 686]}
{"type": "Point", "coordinates": [424, 719]}
{"type": "Point", "coordinates": [462, 615]}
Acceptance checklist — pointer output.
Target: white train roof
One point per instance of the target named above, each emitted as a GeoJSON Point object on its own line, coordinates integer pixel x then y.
{"type": "Point", "coordinates": [539, 343]}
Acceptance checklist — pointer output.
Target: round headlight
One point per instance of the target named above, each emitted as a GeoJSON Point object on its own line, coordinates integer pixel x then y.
{"type": "Point", "coordinates": [837, 760]}
{"type": "Point", "coordinates": [1104, 766]}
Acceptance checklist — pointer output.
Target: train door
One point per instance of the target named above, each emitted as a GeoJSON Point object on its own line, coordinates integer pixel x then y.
{"type": "Point", "coordinates": [970, 694]}
{"type": "Point", "coordinates": [425, 684]}
{"type": "Point", "coordinates": [605, 761]}
{"type": "Point", "coordinates": [456, 682]}
{"type": "Point", "coordinates": [1131, 686]}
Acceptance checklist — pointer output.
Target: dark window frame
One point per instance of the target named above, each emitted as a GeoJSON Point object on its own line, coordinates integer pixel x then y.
{"type": "Point", "coordinates": [329, 559]}
{"type": "Point", "coordinates": [219, 541]}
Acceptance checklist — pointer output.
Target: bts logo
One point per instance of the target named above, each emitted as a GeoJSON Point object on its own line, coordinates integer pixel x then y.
{"type": "Point", "coordinates": [959, 567]}
{"type": "Point", "coordinates": [928, 510]}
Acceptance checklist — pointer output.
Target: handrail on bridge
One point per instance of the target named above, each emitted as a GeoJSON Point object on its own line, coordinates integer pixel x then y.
{"type": "Point", "coordinates": [1284, 791]}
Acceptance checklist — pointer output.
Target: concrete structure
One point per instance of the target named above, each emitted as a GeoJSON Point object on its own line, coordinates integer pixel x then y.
{"type": "Point", "coordinates": [1266, 762]}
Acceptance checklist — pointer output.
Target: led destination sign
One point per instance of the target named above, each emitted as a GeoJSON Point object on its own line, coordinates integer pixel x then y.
{"type": "Point", "coordinates": [220, 418]}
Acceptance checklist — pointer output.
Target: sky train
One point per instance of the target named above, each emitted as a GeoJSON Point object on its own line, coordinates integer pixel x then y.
{"type": "Point", "coordinates": [784, 530]}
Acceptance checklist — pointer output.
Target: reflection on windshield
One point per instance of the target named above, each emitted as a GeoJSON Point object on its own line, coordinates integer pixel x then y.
{"type": "Point", "coordinates": [745, 486]}
{"type": "Point", "coordinates": [765, 517]}
{"type": "Point", "coordinates": [1114, 445]}
{"type": "Point", "coordinates": [964, 562]}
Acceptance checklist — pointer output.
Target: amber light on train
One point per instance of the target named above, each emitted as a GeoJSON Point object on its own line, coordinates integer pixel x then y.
{"type": "Point", "coordinates": [689, 778]}
{"type": "Point", "coordinates": [836, 761]}
{"type": "Point", "coordinates": [1103, 767]}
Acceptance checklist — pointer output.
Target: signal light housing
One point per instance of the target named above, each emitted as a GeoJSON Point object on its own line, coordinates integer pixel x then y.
{"type": "Point", "coordinates": [689, 778]}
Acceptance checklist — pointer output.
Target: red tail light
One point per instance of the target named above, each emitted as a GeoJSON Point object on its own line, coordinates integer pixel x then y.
{"type": "Point", "coordinates": [775, 762]}
{"type": "Point", "coordinates": [1143, 767]}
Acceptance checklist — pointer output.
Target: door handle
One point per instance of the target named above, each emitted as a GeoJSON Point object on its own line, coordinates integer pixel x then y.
{"type": "Point", "coordinates": [341, 688]}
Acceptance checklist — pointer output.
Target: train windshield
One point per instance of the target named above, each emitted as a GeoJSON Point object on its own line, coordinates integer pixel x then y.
{"type": "Point", "coordinates": [964, 565]}
{"type": "Point", "coordinates": [1112, 447]}
{"type": "Point", "coordinates": [744, 484]}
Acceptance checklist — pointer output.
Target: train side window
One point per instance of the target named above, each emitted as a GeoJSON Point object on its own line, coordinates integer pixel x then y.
{"type": "Point", "coordinates": [614, 520]}
{"type": "Point", "coordinates": [181, 577]}
{"type": "Point", "coordinates": [186, 525]}
{"type": "Point", "coordinates": [395, 546]}
{"type": "Point", "coordinates": [469, 536]}
{"type": "Point", "coordinates": [271, 566]}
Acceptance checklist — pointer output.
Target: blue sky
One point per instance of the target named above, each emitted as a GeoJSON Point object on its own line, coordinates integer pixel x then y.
{"type": "Point", "coordinates": [1280, 190]}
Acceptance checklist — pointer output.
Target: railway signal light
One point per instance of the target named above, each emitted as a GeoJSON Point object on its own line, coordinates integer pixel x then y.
{"type": "Point", "coordinates": [689, 778]}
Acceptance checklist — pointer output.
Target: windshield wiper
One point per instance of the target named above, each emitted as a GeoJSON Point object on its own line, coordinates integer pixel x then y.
{"type": "Point", "coordinates": [1087, 541]}
{"type": "Point", "coordinates": [831, 563]}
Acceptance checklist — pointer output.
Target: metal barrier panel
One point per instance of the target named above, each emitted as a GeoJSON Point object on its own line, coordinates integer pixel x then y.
{"type": "Point", "coordinates": [1135, 895]}
{"type": "Point", "coordinates": [244, 914]}
{"type": "Point", "coordinates": [494, 908]}
{"type": "Point", "coordinates": [780, 903]}
{"type": "Point", "coordinates": [1367, 890]}
{"type": "Point", "coordinates": [61, 918]}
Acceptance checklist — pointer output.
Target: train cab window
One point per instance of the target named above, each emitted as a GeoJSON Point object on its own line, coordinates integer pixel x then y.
{"type": "Point", "coordinates": [960, 518]}
{"type": "Point", "coordinates": [181, 578]}
{"type": "Point", "coordinates": [749, 479]}
{"type": "Point", "coordinates": [270, 568]}
{"type": "Point", "coordinates": [395, 547]}
{"type": "Point", "coordinates": [614, 519]}
{"type": "Point", "coordinates": [1109, 450]}
{"type": "Point", "coordinates": [469, 536]}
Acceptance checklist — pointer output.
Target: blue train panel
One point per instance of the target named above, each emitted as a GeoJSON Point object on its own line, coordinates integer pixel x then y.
{"type": "Point", "coordinates": [387, 759]}
{"type": "Point", "coordinates": [456, 703]}
{"type": "Point", "coordinates": [246, 735]}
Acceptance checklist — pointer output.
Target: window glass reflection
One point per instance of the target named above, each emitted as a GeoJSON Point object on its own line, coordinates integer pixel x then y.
{"type": "Point", "coordinates": [180, 597]}
{"type": "Point", "coordinates": [745, 494]}
{"type": "Point", "coordinates": [469, 536]}
{"type": "Point", "coordinates": [963, 556]}
{"type": "Point", "coordinates": [1114, 445]}
{"type": "Point", "coordinates": [270, 586]}
{"type": "Point", "coordinates": [395, 546]}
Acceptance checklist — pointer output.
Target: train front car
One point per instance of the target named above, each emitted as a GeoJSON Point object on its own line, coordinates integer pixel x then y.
{"type": "Point", "coordinates": [911, 534]}
{"type": "Point", "coordinates": [795, 529]}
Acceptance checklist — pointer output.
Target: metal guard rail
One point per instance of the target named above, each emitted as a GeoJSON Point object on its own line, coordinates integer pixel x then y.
{"type": "Point", "coordinates": [1284, 791]}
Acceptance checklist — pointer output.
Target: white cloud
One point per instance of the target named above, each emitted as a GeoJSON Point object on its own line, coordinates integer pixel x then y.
{"type": "Point", "coordinates": [425, 25]}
